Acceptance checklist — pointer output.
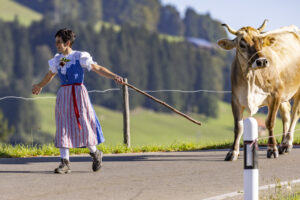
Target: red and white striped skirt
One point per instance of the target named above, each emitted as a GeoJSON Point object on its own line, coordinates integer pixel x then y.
{"type": "Point", "coordinates": [68, 133]}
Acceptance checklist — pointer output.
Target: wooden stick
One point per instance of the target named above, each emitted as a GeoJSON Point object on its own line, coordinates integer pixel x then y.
{"type": "Point", "coordinates": [163, 103]}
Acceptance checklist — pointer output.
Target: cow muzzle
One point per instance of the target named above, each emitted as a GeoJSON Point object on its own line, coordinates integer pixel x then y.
{"type": "Point", "coordinates": [260, 63]}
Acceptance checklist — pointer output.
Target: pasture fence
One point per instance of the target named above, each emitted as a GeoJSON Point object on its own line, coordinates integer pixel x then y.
{"type": "Point", "coordinates": [251, 139]}
{"type": "Point", "coordinates": [126, 115]}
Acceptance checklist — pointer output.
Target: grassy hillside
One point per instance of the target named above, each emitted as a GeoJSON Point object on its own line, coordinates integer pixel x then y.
{"type": "Point", "coordinates": [170, 38]}
{"type": "Point", "coordinates": [9, 9]}
{"type": "Point", "coordinates": [99, 25]}
{"type": "Point", "coordinates": [150, 128]}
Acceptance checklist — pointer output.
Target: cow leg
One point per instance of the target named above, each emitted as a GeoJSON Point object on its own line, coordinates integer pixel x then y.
{"type": "Point", "coordinates": [270, 123]}
{"type": "Point", "coordinates": [285, 109]}
{"type": "Point", "coordinates": [237, 111]}
{"type": "Point", "coordinates": [287, 144]}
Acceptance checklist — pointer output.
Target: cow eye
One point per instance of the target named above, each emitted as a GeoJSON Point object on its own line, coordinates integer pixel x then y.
{"type": "Point", "coordinates": [243, 46]}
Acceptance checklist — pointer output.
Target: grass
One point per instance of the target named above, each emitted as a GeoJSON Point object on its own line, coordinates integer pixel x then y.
{"type": "Point", "coordinates": [171, 38]}
{"type": "Point", "coordinates": [148, 127]}
{"type": "Point", "coordinates": [281, 192]}
{"type": "Point", "coordinates": [99, 25]}
{"type": "Point", "coordinates": [150, 131]}
{"type": "Point", "coordinates": [21, 150]}
{"type": "Point", "coordinates": [10, 9]}
{"type": "Point", "coordinates": [151, 128]}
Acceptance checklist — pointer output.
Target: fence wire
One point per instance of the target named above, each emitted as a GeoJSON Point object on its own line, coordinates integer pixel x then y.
{"type": "Point", "coordinates": [148, 91]}
{"type": "Point", "coordinates": [115, 89]}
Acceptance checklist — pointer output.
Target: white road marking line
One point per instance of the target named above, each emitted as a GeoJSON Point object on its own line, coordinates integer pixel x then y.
{"type": "Point", "coordinates": [264, 187]}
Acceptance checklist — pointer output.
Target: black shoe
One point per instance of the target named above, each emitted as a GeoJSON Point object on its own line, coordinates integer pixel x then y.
{"type": "Point", "coordinates": [64, 167]}
{"type": "Point", "coordinates": [97, 160]}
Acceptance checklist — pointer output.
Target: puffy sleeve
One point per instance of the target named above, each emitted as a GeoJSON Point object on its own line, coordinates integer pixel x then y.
{"type": "Point", "coordinates": [53, 64]}
{"type": "Point", "coordinates": [86, 60]}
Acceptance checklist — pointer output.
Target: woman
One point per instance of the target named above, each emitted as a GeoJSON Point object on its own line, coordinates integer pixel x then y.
{"type": "Point", "coordinates": [76, 122]}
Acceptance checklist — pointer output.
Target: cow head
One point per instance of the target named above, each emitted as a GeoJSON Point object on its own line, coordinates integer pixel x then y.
{"type": "Point", "coordinates": [249, 44]}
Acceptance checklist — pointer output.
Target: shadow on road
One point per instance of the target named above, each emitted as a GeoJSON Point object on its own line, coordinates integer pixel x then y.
{"type": "Point", "coordinates": [39, 172]}
{"type": "Point", "coordinates": [26, 172]}
{"type": "Point", "coordinates": [120, 158]}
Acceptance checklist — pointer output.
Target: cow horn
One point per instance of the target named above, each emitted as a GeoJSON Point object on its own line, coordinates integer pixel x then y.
{"type": "Point", "coordinates": [234, 32]}
{"type": "Point", "coordinates": [262, 27]}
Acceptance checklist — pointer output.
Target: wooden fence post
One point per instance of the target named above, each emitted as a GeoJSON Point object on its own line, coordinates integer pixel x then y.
{"type": "Point", "coordinates": [126, 116]}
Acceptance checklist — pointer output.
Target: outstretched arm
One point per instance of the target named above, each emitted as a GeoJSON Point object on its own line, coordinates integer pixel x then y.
{"type": "Point", "coordinates": [102, 71]}
{"type": "Point", "coordinates": [37, 88]}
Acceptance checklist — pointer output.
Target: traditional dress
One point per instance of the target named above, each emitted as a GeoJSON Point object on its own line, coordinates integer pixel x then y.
{"type": "Point", "coordinates": [76, 122]}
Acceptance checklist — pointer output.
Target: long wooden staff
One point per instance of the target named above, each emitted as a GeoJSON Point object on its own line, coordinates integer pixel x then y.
{"type": "Point", "coordinates": [163, 103]}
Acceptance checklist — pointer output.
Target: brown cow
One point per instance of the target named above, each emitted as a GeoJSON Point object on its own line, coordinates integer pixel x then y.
{"type": "Point", "coordinates": [265, 72]}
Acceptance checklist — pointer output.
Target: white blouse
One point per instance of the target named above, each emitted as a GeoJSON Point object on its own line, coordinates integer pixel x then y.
{"type": "Point", "coordinates": [85, 60]}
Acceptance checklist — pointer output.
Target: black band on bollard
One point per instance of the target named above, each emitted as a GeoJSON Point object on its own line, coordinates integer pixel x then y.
{"type": "Point", "coordinates": [250, 154]}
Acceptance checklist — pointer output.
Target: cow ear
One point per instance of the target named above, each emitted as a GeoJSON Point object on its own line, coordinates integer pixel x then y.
{"type": "Point", "coordinates": [226, 44]}
{"type": "Point", "coordinates": [269, 41]}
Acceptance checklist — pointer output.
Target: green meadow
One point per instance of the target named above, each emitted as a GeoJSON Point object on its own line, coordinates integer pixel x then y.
{"type": "Point", "coordinates": [10, 9]}
{"type": "Point", "coordinates": [150, 131]}
{"type": "Point", "coordinates": [152, 128]}
{"type": "Point", "coordinates": [147, 127]}
{"type": "Point", "coordinates": [102, 24]}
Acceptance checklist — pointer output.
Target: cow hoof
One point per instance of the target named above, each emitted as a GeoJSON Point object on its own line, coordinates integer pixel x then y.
{"type": "Point", "coordinates": [285, 149]}
{"type": "Point", "coordinates": [271, 152]}
{"type": "Point", "coordinates": [231, 156]}
{"type": "Point", "coordinates": [282, 149]}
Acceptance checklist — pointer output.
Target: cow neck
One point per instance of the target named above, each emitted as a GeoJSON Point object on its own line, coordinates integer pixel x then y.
{"type": "Point", "coordinates": [255, 95]}
{"type": "Point", "coordinates": [251, 90]}
{"type": "Point", "coordinates": [251, 81]}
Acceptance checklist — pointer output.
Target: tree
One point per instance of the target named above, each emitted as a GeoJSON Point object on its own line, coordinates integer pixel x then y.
{"type": "Point", "coordinates": [5, 131]}
{"type": "Point", "coordinates": [6, 56]}
{"type": "Point", "coordinates": [170, 21]}
{"type": "Point", "coordinates": [191, 23]}
{"type": "Point", "coordinates": [42, 54]}
{"type": "Point", "coordinates": [202, 26]}
{"type": "Point", "coordinates": [66, 9]}
{"type": "Point", "coordinates": [134, 12]}
{"type": "Point", "coordinates": [22, 115]}
{"type": "Point", "coordinates": [90, 11]}
{"type": "Point", "coordinates": [155, 75]}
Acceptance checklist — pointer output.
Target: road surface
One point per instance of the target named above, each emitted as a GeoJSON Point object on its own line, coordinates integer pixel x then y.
{"type": "Point", "coordinates": [166, 176]}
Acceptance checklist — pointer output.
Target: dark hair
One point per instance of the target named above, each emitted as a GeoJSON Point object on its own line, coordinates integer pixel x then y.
{"type": "Point", "coordinates": [66, 35]}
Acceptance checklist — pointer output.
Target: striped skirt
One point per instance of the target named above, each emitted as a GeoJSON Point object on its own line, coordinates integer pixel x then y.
{"type": "Point", "coordinates": [68, 132]}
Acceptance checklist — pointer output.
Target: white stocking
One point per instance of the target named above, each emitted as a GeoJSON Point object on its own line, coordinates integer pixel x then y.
{"type": "Point", "coordinates": [64, 153]}
{"type": "Point", "coordinates": [92, 149]}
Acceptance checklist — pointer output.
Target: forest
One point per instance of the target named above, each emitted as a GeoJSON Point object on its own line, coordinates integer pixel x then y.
{"type": "Point", "coordinates": [140, 40]}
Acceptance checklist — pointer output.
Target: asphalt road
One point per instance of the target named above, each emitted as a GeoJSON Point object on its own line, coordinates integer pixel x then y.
{"type": "Point", "coordinates": [176, 175]}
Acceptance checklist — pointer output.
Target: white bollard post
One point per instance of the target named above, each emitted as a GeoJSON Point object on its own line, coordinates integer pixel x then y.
{"type": "Point", "coordinates": [250, 159]}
